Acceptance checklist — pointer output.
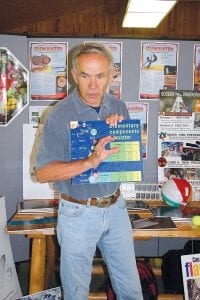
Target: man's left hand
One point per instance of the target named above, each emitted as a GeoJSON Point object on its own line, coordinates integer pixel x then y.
{"type": "Point", "coordinates": [113, 119]}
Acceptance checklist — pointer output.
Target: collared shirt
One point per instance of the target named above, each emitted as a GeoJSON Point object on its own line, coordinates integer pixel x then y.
{"type": "Point", "coordinates": [56, 143]}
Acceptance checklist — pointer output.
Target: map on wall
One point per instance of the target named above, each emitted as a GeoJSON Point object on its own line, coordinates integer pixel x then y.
{"type": "Point", "coordinates": [13, 86]}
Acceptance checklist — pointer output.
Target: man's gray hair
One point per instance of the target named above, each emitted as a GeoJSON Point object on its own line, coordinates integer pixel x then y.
{"type": "Point", "coordinates": [91, 47]}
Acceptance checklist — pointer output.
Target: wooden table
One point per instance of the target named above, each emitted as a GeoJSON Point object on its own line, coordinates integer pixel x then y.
{"type": "Point", "coordinates": [42, 239]}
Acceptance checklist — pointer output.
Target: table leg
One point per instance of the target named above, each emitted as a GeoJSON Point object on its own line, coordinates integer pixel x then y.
{"type": "Point", "coordinates": [51, 259]}
{"type": "Point", "coordinates": [38, 256]}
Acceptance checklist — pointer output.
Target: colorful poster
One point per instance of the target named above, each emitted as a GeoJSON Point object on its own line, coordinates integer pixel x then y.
{"type": "Point", "coordinates": [190, 265]}
{"type": "Point", "coordinates": [48, 65]}
{"type": "Point", "coordinates": [14, 84]}
{"type": "Point", "coordinates": [140, 111]}
{"type": "Point", "coordinates": [158, 69]}
{"type": "Point", "coordinates": [9, 284]}
{"type": "Point", "coordinates": [179, 137]}
{"type": "Point", "coordinates": [114, 87]}
{"type": "Point", "coordinates": [126, 165]}
{"type": "Point", "coordinates": [196, 77]}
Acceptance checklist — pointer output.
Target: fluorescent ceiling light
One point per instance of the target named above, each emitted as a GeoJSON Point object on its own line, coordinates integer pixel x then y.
{"type": "Point", "coordinates": [146, 13]}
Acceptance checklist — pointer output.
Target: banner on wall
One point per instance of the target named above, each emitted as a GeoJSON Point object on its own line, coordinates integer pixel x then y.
{"type": "Point", "coordinates": [48, 70]}
{"type": "Point", "coordinates": [14, 83]}
{"type": "Point", "coordinates": [114, 87]}
{"type": "Point", "coordinates": [158, 68]}
{"type": "Point", "coordinates": [179, 137]}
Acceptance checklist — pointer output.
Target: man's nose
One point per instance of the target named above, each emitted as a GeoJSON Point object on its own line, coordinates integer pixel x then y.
{"type": "Point", "coordinates": [93, 82]}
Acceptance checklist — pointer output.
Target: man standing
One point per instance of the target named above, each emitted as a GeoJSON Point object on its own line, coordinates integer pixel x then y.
{"type": "Point", "coordinates": [82, 223]}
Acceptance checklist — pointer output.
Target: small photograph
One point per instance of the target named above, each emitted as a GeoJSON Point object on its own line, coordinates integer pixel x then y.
{"type": "Point", "coordinates": [117, 72]}
{"type": "Point", "coordinates": [173, 173]}
{"type": "Point", "coordinates": [40, 63]}
{"type": "Point", "coordinates": [170, 70]}
{"type": "Point", "coordinates": [191, 154]}
{"type": "Point", "coordinates": [175, 104]}
{"type": "Point", "coordinates": [149, 60]}
{"type": "Point", "coordinates": [193, 286]}
{"type": "Point", "coordinates": [61, 83]}
{"type": "Point", "coordinates": [114, 89]}
{"type": "Point", "coordinates": [41, 60]}
{"type": "Point", "coordinates": [179, 105]}
{"type": "Point", "coordinates": [191, 174]}
{"type": "Point", "coordinates": [186, 173]}
{"type": "Point", "coordinates": [197, 171]}
{"type": "Point", "coordinates": [172, 149]}
{"type": "Point", "coordinates": [197, 120]}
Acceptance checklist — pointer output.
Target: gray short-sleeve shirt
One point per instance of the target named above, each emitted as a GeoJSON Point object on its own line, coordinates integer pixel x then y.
{"type": "Point", "coordinates": [55, 142]}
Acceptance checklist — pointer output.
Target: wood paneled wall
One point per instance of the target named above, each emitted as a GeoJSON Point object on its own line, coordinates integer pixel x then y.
{"type": "Point", "coordinates": [183, 22]}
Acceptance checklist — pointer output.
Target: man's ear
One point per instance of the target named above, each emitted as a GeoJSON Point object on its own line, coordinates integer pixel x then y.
{"type": "Point", "coordinates": [74, 74]}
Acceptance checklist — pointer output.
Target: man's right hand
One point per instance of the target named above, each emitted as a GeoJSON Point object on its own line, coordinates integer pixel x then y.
{"type": "Point", "coordinates": [100, 153]}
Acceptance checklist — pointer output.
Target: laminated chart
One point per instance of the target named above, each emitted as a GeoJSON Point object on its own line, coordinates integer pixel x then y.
{"type": "Point", "coordinates": [124, 166]}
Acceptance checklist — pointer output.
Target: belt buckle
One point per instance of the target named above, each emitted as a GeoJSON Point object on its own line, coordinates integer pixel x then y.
{"type": "Point", "coordinates": [103, 202]}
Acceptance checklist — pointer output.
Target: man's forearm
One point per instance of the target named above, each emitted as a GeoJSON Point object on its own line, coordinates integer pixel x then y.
{"type": "Point", "coordinates": [58, 170]}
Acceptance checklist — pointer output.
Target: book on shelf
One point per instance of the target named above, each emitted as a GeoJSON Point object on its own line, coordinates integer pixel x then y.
{"type": "Point", "coordinates": [161, 223]}
{"type": "Point", "coordinates": [190, 265]}
{"type": "Point", "coordinates": [38, 206]}
{"type": "Point", "coordinates": [124, 166]}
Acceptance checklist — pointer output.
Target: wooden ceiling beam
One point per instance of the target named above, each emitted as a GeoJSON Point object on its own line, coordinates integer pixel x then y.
{"type": "Point", "coordinates": [114, 6]}
{"type": "Point", "coordinates": [16, 13]}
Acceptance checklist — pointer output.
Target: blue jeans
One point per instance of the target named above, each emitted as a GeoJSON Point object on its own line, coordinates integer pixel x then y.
{"type": "Point", "coordinates": [80, 229]}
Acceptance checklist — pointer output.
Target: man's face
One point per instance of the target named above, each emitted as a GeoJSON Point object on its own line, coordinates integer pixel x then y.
{"type": "Point", "coordinates": [92, 76]}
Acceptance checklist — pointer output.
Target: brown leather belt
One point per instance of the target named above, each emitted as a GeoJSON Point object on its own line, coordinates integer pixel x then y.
{"type": "Point", "coordinates": [100, 202]}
